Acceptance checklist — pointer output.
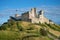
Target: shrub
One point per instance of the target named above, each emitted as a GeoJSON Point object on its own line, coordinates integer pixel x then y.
{"type": "Point", "coordinates": [31, 28]}
{"type": "Point", "coordinates": [43, 32]}
{"type": "Point", "coordinates": [4, 27]}
{"type": "Point", "coordinates": [20, 28]}
{"type": "Point", "coordinates": [59, 37]}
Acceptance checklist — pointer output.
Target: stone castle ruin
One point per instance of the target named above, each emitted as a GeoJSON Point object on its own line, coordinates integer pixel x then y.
{"type": "Point", "coordinates": [32, 16]}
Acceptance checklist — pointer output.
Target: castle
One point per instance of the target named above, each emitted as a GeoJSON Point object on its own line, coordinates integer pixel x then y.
{"type": "Point", "coordinates": [32, 16]}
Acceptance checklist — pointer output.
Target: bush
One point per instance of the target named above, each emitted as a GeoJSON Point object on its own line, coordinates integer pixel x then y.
{"type": "Point", "coordinates": [20, 28]}
{"type": "Point", "coordinates": [59, 37]}
{"type": "Point", "coordinates": [4, 27]}
{"type": "Point", "coordinates": [43, 32]}
{"type": "Point", "coordinates": [31, 28]}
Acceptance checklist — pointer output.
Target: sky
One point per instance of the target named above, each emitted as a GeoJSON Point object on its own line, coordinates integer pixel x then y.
{"type": "Point", "coordinates": [51, 8]}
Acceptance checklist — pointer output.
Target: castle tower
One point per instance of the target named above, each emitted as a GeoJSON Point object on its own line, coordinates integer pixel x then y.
{"type": "Point", "coordinates": [41, 16]}
{"type": "Point", "coordinates": [33, 12]}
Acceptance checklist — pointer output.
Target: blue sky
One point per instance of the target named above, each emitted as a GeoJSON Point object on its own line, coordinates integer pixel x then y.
{"type": "Point", "coordinates": [51, 8]}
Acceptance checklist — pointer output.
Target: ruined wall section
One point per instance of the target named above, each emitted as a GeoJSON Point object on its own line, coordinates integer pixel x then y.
{"type": "Point", "coordinates": [25, 16]}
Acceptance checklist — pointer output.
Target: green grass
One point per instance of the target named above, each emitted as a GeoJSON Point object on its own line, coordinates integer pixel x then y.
{"type": "Point", "coordinates": [28, 29]}
{"type": "Point", "coordinates": [57, 26]}
{"type": "Point", "coordinates": [52, 35]}
{"type": "Point", "coordinates": [52, 26]}
{"type": "Point", "coordinates": [9, 35]}
{"type": "Point", "coordinates": [12, 35]}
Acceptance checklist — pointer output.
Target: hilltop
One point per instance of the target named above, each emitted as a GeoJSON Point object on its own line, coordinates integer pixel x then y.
{"type": "Point", "coordinates": [22, 30]}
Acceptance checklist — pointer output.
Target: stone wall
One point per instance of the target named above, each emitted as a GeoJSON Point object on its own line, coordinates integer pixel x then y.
{"type": "Point", "coordinates": [32, 16]}
{"type": "Point", "coordinates": [25, 16]}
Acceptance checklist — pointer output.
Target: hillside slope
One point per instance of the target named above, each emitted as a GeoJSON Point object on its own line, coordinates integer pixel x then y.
{"type": "Point", "coordinates": [22, 30]}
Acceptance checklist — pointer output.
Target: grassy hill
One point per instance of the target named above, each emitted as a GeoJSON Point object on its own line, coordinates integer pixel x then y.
{"type": "Point", "coordinates": [21, 30]}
